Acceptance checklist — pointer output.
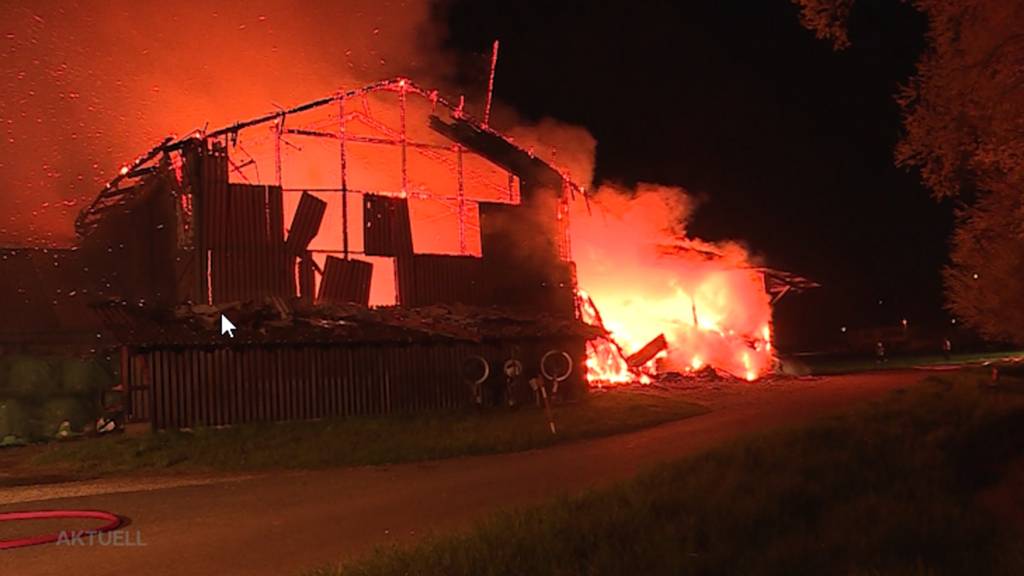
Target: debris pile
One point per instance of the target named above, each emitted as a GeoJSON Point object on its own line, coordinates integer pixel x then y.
{"type": "Point", "coordinates": [277, 320]}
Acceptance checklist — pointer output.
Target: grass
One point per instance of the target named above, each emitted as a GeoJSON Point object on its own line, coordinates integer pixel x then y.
{"type": "Point", "coordinates": [826, 365]}
{"type": "Point", "coordinates": [890, 489]}
{"type": "Point", "coordinates": [355, 441]}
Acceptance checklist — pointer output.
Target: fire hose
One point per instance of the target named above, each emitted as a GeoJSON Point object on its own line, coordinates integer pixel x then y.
{"type": "Point", "coordinates": [113, 522]}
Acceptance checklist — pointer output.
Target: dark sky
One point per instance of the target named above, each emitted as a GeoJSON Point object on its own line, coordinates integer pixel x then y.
{"type": "Point", "coordinates": [787, 143]}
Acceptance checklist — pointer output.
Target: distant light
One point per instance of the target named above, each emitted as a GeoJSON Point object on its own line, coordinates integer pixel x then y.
{"type": "Point", "coordinates": [879, 301]}
{"type": "Point", "coordinates": [975, 276]}
{"type": "Point", "coordinates": [904, 322]}
{"type": "Point", "coordinates": [953, 321]}
{"type": "Point", "coordinates": [843, 329]}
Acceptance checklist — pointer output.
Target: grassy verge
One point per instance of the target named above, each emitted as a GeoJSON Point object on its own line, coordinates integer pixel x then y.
{"type": "Point", "coordinates": [891, 489]}
{"type": "Point", "coordinates": [826, 365]}
{"type": "Point", "coordinates": [355, 441]}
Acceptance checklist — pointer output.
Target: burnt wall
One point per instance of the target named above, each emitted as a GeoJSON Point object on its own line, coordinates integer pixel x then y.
{"type": "Point", "coordinates": [131, 253]}
{"type": "Point", "coordinates": [520, 257]}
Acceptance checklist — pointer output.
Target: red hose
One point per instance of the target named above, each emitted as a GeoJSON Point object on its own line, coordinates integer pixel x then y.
{"type": "Point", "coordinates": [113, 523]}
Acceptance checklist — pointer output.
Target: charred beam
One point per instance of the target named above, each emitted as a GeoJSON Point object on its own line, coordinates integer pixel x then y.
{"type": "Point", "coordinates": [648, 352]}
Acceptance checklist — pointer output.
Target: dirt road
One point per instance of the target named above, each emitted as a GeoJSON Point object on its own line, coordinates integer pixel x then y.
{"type": "Point", "coordinates": [284, 523]}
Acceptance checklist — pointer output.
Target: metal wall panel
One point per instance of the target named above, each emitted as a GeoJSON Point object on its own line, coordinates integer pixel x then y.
{"type": "Point", "coordinates": [240, 216]}
{"type": "Point", "coordinates": [212, 195]}
{"type": "Point", "coordinates": [425, 279]}
{"type": "Point", "coordinates": [346, 281]}
{"type": "Point", "coordinates": [307, 278]}
{"type": "Point", "coordinates": [387, 231]}
{"type": "Point", "coordinates": [306, 223]}
{"type": "Point", "coordinates": [262, 272]}
{"type": "Point", "coordinates": [275, 212]}
{"type": "Point", "coordinates": [130, 252]}
{"type": "Point", "coordinates": [244, 233]}
{"type": "Point", "coordinates": [189, 387]}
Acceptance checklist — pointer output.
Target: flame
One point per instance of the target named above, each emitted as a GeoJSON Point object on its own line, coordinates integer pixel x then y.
{"type": "Point", "coordinates": [646, 278]}
{"type": "Point", "coordinates": [606, 360]}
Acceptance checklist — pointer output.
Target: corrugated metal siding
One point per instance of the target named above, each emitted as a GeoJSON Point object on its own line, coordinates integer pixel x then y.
{"type": "Point", "coordinates": [130, 252]}
{"type": "Point", "coordinates": [346, 281]}
{"type": "Point", "coordinates": [212, 197]}
{"type": "Point", "coordinates": [183, 388]}
{"type": "Point", "coordinates": [307, 277]}
{"type": "Point", "coordinates": [242, 215]}
{"type": "Point", "coordinates": [306, 223]}
{"type": "Point", "coordinates": [243, 230]}
{"type": "Point", "coordinates": [387, 230]}
{"type": "Point", "coordinates": [275, 212]}
{"type": "Point", "coordinates": [260, 272]}
{"type": "Point", "coordinates": [425, 279]}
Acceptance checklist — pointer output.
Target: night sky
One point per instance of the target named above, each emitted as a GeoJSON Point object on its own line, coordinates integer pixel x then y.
{"type": "Point", "coordinates": [787, 143]}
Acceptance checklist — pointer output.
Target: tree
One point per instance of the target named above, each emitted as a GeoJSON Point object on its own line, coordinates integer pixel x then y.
{"type": "Point", "coordinates": [985, 282]}
{"type": "Point", "coordinates": [963, 121]}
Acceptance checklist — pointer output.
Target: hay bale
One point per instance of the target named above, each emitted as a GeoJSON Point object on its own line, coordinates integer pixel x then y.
{"type": "Point", "coordinates": [84, 377]}
{"type": "Point", "coordinates": [66, 408]}
{"type": "Point", "coordinates": [14, 419]}
{"type": "Point", "coordinates": [31, 377]}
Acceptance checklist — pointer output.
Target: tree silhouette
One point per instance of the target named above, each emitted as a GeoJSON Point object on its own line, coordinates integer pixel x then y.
{"type": "Point", "coordinates": [963, 119]}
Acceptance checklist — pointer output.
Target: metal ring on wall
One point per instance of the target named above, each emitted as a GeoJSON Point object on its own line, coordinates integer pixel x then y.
{"type": "Point", "coordinates": [483, 361]}
{"type": "Point", "coordinates": [568, 363]}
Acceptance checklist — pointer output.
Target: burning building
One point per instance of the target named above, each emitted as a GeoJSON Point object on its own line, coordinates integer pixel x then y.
{"type": "Point", "coordinates": [670, 302]}
{"type": "Point", "coordinates": [380, 250]}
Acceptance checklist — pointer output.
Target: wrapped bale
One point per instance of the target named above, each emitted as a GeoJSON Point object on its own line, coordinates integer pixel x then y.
{"type": "Point", "coordinates": [31, 378]}
{"type": "Point", "coordinates": [84, 377]}
{"type": "Point", "coordinates": [14, 421]}
{"type": "Point", "coordinates": [55, 412]}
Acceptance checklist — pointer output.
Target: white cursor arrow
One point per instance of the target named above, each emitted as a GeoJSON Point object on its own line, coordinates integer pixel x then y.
{"type": "Point", "coordinates": [226, 327]}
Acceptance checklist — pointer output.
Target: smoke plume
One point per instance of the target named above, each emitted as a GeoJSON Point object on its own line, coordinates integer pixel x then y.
{"type": "Point", "coordinates": [88, 85]}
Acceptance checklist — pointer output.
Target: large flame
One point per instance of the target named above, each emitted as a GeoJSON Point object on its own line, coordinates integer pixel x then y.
{"type": "Point", "coordinates": [646, 278]}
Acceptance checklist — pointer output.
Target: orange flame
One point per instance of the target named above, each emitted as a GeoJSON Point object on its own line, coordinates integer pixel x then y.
{"type": "Point", "coordinates": [646, 278]}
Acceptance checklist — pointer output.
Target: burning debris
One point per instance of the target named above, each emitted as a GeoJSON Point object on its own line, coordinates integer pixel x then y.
{"type": "Point", "coordinates": [669, 303]}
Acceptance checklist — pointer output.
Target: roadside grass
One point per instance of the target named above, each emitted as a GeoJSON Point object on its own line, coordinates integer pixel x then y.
{"type": "Point", "coordinates": [887, 489]}
{"type": "Point", "coordinates": [364, 440]}
{"type": "Point", "coordinates": [828, 365]}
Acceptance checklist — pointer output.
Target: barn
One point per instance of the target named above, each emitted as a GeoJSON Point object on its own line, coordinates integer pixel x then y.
{"type": "Point", "coordinates": [378, 251]}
